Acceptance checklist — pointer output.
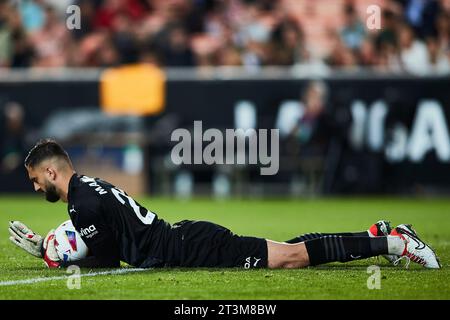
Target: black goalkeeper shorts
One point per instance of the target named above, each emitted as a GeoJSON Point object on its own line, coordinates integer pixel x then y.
{"type": "Point", "coordinates": [206, 244]}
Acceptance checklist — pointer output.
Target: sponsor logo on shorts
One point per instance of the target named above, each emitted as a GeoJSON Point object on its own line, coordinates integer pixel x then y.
{"type": "Point", "coordinates": [251, 264]}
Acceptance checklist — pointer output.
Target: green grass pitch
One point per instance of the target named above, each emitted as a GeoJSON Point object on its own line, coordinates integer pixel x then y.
{"type": "Point", "coordinates": [274, 219]}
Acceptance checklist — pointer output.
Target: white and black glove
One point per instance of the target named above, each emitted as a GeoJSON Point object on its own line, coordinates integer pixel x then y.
{"type": "Point", "coordinates": [25, 238]}
{"type": "Point", "coordinates": [34, 244]}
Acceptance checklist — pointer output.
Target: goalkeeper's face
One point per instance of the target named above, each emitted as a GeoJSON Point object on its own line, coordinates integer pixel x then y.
{"type": "Point", "coordinates": [51, 194]}
{"type": "Point", "coordinates": [41, 182]}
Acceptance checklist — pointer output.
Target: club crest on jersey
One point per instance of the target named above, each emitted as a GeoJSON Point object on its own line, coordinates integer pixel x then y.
{"type": "Point", "coordinates": [71, 237]}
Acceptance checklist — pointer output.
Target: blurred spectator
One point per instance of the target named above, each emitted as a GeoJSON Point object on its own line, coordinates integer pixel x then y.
{"type": "Point", "coordinates": [22, 49]}
{"type": "Point", "coordinates": [388, 35]}
{"type": "Point", "coordinates": [108, 54]}
{"type": "Point", "coordinates": [5, 34]}
{"type": "Point", "coordinates": [86, 53]}
{"type": "Point", "coordinates": [60, 6]}
{"type": "Point", "coordinates": [313, 102]}
{"type": "Point", "coordinates": [33, 15]}
{"type": "Point", "coordinates": [386, 42]}
{"type": "Point", "coordinates": [388, 58]}
{"type": "Point", "coordinates": [443, 31]}
{"type": "Point", "coordinates": [12, 146]}
{"type": "Point", "coordinates": [367, 55]}
{"type": "Point", "coordinates": [177, 51]}
{"type": "Point", "coordinates": [229, 56]}
{"type": "Point", "coordinates": [15, 48]}
{"type": "Point", "coordinates": [124, 41]}
{"type": "Point", "coordinates": [439, 59]}
{"type": "Point", "coordinates": [204, 33]}
{"type": "Point", "coordinates": [353, 33]}
{"type": "Point", "coordinates": [414, 56]}
{"type": "Point", "coordinates": [341, 56]}
{"type": "Point", "coordinates": [51, 41]}
{"type": "Point", "coordinates": [87, 19]}
{"type": "Point", "coordinates": [287, 45]}
{"type": "Point", "coordinates": [311, 129]}
{"type": "Point", "coordinates": [421, 15]}
{"type": "Point", "coordinates": [106, 14]}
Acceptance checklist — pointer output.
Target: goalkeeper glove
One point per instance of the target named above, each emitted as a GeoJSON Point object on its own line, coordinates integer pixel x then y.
{"type": "Point", "coordinates": [25, 238]}
{"type": "Point", "coordinates": [51, 258]}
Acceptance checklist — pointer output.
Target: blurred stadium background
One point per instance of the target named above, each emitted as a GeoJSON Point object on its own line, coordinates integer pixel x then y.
{"type": "Point", "coordinates": [360, 111]}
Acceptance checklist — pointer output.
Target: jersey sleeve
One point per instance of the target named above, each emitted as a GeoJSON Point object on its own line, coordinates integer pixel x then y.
{"type": "Point", "coordinates": [91, 262]}
{"type": "Point", "coordinates": [98, 236]}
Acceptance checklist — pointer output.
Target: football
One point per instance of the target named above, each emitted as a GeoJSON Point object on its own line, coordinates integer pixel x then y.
{"type": "Point", "coordinates": [68, 243]}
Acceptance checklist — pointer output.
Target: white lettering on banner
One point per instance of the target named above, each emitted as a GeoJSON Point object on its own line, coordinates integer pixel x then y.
{"type": "Point", "coordinates": [396, 147]}
{"type": "Point", "coordinates": [357, 130]}
{"type": "Point", "coordinates": [377, 116]}
{"type": "Point", "coordinates": [371, 120]}
{"type": "Point", "coordinates": [429, 132]}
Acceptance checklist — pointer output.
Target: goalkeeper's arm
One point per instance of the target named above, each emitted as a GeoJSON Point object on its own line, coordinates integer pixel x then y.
{"type": "Point", "coordinates": [91, 262]}
{"type": "Point", "coordinates": [52, 259]}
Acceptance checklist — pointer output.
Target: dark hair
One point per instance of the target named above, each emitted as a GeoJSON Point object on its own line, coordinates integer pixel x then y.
{"type": "Point", "coordinates": [45, 149]}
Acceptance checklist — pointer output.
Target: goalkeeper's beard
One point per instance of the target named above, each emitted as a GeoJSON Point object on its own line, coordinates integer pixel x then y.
{"type": "Point", "coordinates": [51, 195]}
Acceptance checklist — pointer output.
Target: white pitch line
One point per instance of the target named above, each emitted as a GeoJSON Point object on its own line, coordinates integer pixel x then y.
{"type": "Point", "coordinates": [91, 274]}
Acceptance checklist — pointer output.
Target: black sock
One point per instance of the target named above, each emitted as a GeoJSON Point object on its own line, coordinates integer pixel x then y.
{"type": "Point", "coordinates": [316, 235]}
{"type": "Point", "coordinates": [341, 248]}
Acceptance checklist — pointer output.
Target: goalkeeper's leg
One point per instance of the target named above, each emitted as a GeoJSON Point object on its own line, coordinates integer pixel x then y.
{"type": "Point", "coordinates": [316, 235]}
{"type": "Point", "coordinates": [378, 229]}
{"type": "Point", "coordinates": [330, 248]}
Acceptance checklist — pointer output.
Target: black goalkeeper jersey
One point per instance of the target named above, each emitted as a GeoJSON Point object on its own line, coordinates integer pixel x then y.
{"type": "Point", "coordinates": [114, 226]}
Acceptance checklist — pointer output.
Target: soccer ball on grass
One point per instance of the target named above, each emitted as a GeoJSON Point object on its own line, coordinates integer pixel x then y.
{"type": "Point", "coordinates": [68, 243]}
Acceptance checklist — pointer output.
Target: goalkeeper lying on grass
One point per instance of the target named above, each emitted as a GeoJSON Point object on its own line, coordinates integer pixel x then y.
{"type": "Point", "coordinates": [116, 228]}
